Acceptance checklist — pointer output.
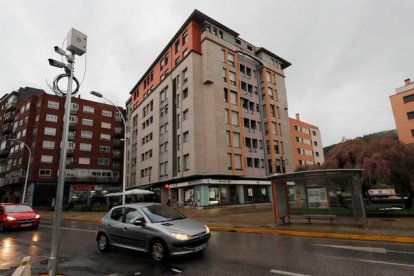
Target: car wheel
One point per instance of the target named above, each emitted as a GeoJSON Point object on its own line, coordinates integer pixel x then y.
{"type": "Point", "coordinates": [159, 251]}
{"type": "Point", "coordinates": [103, 243]}
{"type": "Point", "coordinates": [35, 227]}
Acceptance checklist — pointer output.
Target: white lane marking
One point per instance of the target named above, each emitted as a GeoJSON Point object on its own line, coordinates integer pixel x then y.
{"type": "Point", "coordinates": [358, 248]}
{"type": "Point", "coordinates": [73, 229]}
{"type": "Point", "coordinates": [401, 252]}
{"type": "Point", "coordinates": [176, 270]}
{"type": "Point", "coordinates": [366, 261]}
{"type": "Point", "coordinates": [286, 273]}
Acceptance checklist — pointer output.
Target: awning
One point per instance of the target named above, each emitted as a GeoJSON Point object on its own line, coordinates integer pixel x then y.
{"type": "Point", "coordinates": [131, 192]}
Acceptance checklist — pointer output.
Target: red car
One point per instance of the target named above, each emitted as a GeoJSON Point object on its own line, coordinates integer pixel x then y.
{"type": "Point", "coordinates": [16, 216]}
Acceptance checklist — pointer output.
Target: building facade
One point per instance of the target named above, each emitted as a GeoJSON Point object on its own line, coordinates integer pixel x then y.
{"type": "Point", "coordinates": [306, 143]}
{"type": "Point", "coordinates": [94, 157]}
{"type": "Point", "coordinates": [209, 120]}
{"type": "Point", "coordinates": [402, 104]}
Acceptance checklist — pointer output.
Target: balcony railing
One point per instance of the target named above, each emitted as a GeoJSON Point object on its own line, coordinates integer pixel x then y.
{"type": "Point", "coordinates": [11, 106]}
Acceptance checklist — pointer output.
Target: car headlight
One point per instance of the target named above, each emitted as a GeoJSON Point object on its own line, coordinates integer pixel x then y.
{"type": "Point", "coordinates": [207, 229]}
{"type": "Point", "coordinates": [37, 216]}
{"type": "Point", "coordinates": [180, 237]}
{"type": "Point", "coordinates": [10, 218]}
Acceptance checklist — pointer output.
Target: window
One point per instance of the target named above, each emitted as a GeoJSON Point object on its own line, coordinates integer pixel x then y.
{"type": "Point", "coordinates": [104, 149]}
{"type": "Point", "coordinates": [85, 147]}
{"type": "Point", "coordinates": [410, 115]}
{"type": "Point", "coordinates": [186, 162]}
{"type": "Point", "coordinates": [105, 137]}
{"type": "Point", "coordinates": [409, 98]}
{"type": "Point", "coordinates": [237, 161]}
{"type": "Point", "coordinates": [249, 162]}
{"type": "Point", "coordinates": [106, 125]}
{"type": "Point", "coordinates": [84, 161]}
{"type": "Point", "coordinates": [103, 161]}
{"type": "Point", "coordinates": [107, 113]}
{"type": "Point", "coordinates": [317, 154]}
{"type": "Point", "coordinates": [234, 118]}
{"type": "Point", "coordinates": [87, 122]}
{"type": "Point", "coordinates": [233, 96]}
{"type": "Point", "coordinates": [232, 78]}
{"type": "Point", "coordinates": [186, 136]}
{"type": "Point", "coordinates": [86, 134]}
{"type": "Point", "coordinates": [228, 137]}
{"type": "Point", "coordinates": [48, 144]}
{"type": "Point", "coordinates": [46, 159]}
{"type": "Point", "coordinates": [185, 114]}
{"type": "Point", "coordinates": [236, 140]}
{"type": "Point", "coordinates": [88, 109]}
{"type": "Point", "coordinates": [412, 132]}
{"type": "Point", "coordinates": [177, 46]}
{"type": "Point", "coordinates": [51, 118]}
{"type": "Point", "coordinates": [315, 143]}
{"type": "Point", "coordinates": [185, 93]}
{"type": "Point", "coordinates": [45, 173]}
{"type": "Point", "coordinates": [230, 57]}
{"type": "Point", "coordinates": [50, 131]}
{"type": "Point", "coordinates": [53, 105]}
{"type": "Point", "coordinates": [313, 133]}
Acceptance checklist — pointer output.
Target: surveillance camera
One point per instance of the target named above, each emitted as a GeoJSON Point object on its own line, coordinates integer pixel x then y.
{"type": "Point", "coordinates": [56, 63]}
{"type": "Point", "coordinates": [59, 51]}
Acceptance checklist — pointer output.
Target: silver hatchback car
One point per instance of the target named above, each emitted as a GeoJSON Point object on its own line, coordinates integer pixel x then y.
{"type": "Point", "coordinates": [151, 227]}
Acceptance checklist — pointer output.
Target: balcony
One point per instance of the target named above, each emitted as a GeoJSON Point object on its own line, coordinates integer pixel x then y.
{"type": "Point", "coordinates": [11, 106]}
{"type": "Point", "coordinates": [117, 144]}
{"type": "Point", "coordinates": [70, 152]}
{"type": "Point", "coordinates": [116, 155]}
{"type": "Point", "coordinates": [119, 132]}
{"type": "Point", "coordinates": [4, 153]}
{"type": "Point", "coordinates": [116, 166]}
{"type": "Point", "coordinates": [7, 128]}
{"type": "Point", "coordinates": [9, 117]}
{"type": "Point", "coordinates": [72, 136]}
{"type": "Point", "coordinates": [74, 111]}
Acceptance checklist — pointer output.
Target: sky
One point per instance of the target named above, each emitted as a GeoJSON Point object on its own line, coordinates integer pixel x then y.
{"type": "Point", "coordinates": [347, 56]}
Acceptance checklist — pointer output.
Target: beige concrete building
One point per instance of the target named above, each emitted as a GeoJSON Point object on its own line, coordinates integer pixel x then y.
{"type": "Point", "coordinates": [208, 120]}
{"type": "Point", "coordinates": [403, 109]}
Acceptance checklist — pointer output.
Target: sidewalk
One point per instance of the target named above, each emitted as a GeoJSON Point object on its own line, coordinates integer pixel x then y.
{"type": "Point", "coordinates": [259, 219]}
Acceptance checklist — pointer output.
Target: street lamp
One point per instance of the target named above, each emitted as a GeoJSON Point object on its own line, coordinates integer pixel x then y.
{"type": "Point", "coordinates": [99, 95]}
{"type": "Point", "coordinates": [28, 166]}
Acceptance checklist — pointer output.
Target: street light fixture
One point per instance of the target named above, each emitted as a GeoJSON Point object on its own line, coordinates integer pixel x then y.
{"type": "Point", "coordinates": [99, 95]}
{"type": "Point", "coordinates": [28, 166]}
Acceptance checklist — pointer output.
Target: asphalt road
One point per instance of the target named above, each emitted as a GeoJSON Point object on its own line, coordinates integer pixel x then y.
{"type": "Point", "coordinates": [228, 254]}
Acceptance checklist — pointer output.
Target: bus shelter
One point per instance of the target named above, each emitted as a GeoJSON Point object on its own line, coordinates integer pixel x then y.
{"type": "Point", "coordinates": [319, 193]}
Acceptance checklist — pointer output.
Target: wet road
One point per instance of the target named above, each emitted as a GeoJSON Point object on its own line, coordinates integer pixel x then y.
{"type": "Point", "coordinates": [228, 254]}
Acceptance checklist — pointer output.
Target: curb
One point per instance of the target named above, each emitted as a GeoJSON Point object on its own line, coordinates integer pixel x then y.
{"type": "Point", "coordinates": [314, 234]}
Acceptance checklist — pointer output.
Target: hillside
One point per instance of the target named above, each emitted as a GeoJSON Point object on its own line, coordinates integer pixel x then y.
{"type": "Point", "coordinates": [386, 134]}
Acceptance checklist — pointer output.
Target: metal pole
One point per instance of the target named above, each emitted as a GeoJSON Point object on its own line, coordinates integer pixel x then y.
{"type": "Point", "coordinates": [125, 150]}
{"type": "Point", "coordinates": [27, 173]}
{"type": "Point", "coordinates": [28, 167]}
{"type": "Point", "coordinates": [61, 179]}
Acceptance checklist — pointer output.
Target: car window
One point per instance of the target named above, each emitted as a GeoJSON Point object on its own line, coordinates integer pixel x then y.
{"type": "Point", "coordinates": [17, 208]}
{"type": "Point", "coordinates": [161, 213]}
{"type": "Point", "coordinates": [132, 215]}
{"type": "Point", "coordinates": [117, 214]}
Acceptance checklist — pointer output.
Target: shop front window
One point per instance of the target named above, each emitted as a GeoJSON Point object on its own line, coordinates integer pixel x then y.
{"type": "Point", "coordinates": [189, 197]}
{"type": "Point", "coordinates": [214, 196]}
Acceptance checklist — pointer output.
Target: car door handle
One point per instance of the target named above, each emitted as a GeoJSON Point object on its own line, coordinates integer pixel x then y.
{"type": "Point", "coordinates": [124, 229]}
{"type": "Point", "coordinates": [108, 225]}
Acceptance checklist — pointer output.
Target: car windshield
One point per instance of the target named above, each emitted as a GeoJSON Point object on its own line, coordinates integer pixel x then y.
{"type": "Point", "coordinates": [17, 209]}
{"type": "Point", "coordinates": [161, 213]}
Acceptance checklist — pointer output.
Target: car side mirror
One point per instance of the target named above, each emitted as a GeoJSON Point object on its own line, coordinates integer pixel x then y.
{"type": "Point", "coordinates": [140, 222]}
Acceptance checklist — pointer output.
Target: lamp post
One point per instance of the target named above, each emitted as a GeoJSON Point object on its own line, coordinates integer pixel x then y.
{"type": "Point", "coordinates": [28, 166]}
{"type": "Point", "coordinates": [99, 95]}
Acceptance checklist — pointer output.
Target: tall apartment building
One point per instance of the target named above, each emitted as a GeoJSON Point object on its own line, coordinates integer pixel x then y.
{"type": "Point", "coordinates": [95, 150]}
{"type": "Point", "coordinates": [403, 109]}
{"type": "Point", "coordinates": [209, 118]}
{"type": "Point", "coordinates": [306, 143]}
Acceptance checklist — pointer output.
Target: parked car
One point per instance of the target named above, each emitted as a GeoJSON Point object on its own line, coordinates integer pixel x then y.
{"type": "Point", "coordinates": [16, 216]}
{"type": "Point", "coordinates": [153, 228]}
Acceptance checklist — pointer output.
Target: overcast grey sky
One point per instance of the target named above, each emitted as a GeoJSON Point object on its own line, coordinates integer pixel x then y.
{"type": "Point", "coordinates": [347, 56]}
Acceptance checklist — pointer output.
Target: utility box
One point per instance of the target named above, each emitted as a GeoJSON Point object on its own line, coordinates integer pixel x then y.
{"type": "Point", "coordinates": [76, 42]}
